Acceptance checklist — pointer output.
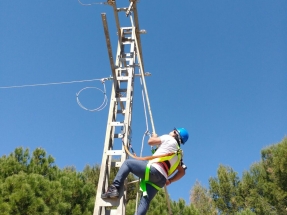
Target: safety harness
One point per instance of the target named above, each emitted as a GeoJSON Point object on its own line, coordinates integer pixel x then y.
{"type": "Point", "coordinates": [145, 181]}
{"type": "Point", "coordinates": [155, 159]}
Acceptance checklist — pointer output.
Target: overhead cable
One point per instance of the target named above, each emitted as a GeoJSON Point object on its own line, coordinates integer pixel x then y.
{"type": "Point", "coordinates": [103, 3]}
{"type": "Point", "coordinates": [102, 106]}
{"type": "Point", "coordinates": [47, 84]}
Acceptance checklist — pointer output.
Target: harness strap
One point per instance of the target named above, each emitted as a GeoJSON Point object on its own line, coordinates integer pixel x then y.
{"type": "Point", "coordinates": [147, 171]}
{"type": "Point", "coordinates": [146, 181]}
{"type": "Point", "coordinates": [152, 159]}
{"type": "Point", "coordinates": [143, 186]}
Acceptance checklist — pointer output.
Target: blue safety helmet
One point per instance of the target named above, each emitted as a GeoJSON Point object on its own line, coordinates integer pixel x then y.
{"type": "Point", "coordinates": [183, 134]}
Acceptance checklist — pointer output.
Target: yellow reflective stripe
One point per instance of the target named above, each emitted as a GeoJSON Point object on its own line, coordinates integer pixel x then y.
{"type": "Point", "coordinates": [147, 169]}
{"type": "Point", "coordinates": [173, 167]}
{"type": "Point", "coordinates": [143, 186]}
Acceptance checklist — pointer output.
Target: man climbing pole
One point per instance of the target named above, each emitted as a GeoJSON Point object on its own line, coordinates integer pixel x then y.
{"type": "Point", "coordinates": [155, 173]}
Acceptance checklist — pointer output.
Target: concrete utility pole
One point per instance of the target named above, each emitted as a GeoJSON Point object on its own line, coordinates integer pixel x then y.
{"type": "Point", "coordinates": [128, 65]}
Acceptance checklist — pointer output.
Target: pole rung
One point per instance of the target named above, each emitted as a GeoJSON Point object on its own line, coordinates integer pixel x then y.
{"type": "Point", "coordinates": [108, 202]}
{"type": "Point", "coordinates": [127, 42]}
{"type": "Point", "coordinates": [121, 99]}
{"type": "Point", "coordinates": [122, 9]}
{"type": "Point", "coordinates": [113, 212]}
{"type": "Point", "coordinates": [117, 124]}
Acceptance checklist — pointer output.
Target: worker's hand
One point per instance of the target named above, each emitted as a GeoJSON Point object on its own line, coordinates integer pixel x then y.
{"type": "Point", "coordinates": [168, 182]}
{"type": "Point", "coordinates": [154, 135]}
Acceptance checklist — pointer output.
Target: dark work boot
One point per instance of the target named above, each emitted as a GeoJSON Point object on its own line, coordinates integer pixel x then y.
{"type": "Point", "coordinates": [112, 192]}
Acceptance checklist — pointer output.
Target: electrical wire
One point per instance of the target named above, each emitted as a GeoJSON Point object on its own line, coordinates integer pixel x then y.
{"type": "Point", "coordinates": [47, 84]}
{"type": "Point", "coordinates": [101, 107]}
{"type": "Point", "coordinates": [94, 3]}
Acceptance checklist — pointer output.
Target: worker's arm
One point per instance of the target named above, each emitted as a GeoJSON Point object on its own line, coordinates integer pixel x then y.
{"type": "Point", "coordinates": [154, 140]}
{"type": "Point", "coordinates": [178, 175]}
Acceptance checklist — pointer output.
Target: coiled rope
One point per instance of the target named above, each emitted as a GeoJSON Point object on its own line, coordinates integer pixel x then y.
{"type": "Point", "coordinates": [104, 103]}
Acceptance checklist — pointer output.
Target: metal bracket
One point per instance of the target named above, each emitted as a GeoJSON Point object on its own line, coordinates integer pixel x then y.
{"type": "Point", "coordinates": [129, 9]}
{"type": "Point", "coordinates": [111, 2]}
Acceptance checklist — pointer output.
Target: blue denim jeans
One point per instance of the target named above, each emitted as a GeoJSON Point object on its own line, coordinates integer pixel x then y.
{"type": "Point", "coordinates": [138, 168]}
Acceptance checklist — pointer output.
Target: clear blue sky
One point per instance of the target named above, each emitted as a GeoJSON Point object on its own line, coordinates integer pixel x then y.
{"type": "Point", "coordinates": [219, 69]}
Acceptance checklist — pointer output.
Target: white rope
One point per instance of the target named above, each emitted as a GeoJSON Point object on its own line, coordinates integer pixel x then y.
{"type": "Point", "coordinates": [145, 88]}
{"type": "Point", "coordinates": [145, 134]}
{"type": "Point", "coordinates": [47, 84]}
{"type": "Point", "coordinates": [146, 119]}
{"type": "Point", "coordinates": [102, 106]}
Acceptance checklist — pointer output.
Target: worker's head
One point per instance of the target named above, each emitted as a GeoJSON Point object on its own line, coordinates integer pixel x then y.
{"type": "Point", "coordinates": [182, 134]}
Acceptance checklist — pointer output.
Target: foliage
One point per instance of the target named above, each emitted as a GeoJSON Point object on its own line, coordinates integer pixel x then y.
{"type": "Point", "coordinates": [274, 161]}
{"type": "Point", "coordinates": [34, 185]}
{"type": "Point", "coordinates": [262, 189]}
{"type": "Point", "coordinates": [202, 200]}
{"type": "Point", "coordinates": [253, 188]}
{"type": "Point", "coordinates": [181, 208]}
{"type": "Point", "coordinates": [245, 212]}
{"type": "Point", "coordinates": [158, 206]}
{"type": "Point", "coordinates": [224, 190]}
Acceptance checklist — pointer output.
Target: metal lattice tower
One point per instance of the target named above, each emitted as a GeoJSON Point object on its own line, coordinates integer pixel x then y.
{"type": "Point", "coordinates": [127, 66]}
